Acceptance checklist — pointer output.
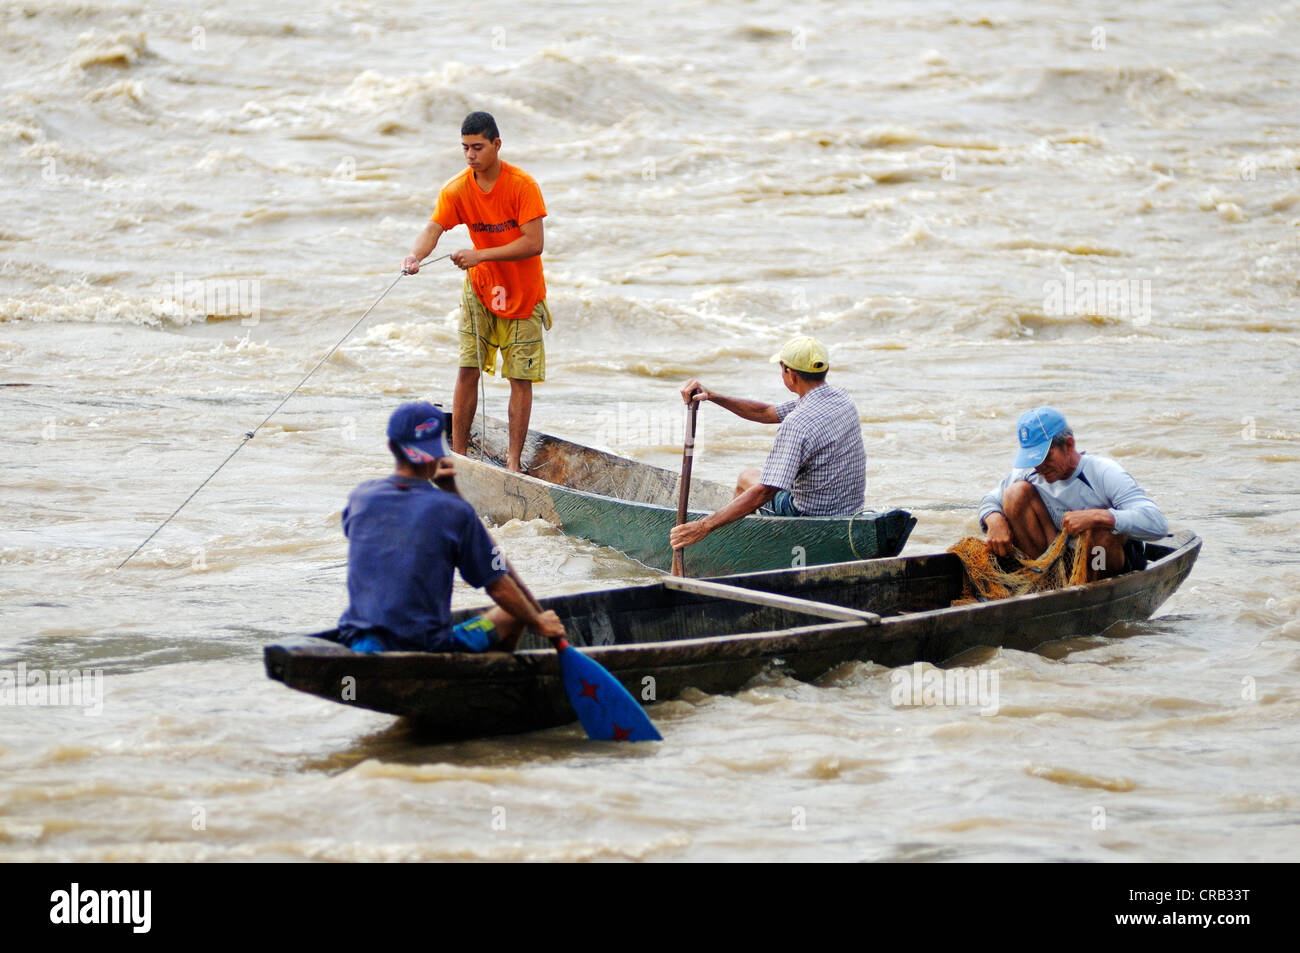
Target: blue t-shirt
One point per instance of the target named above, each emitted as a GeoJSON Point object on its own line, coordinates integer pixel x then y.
{"type": "Point", "coordinates": [406, 538]}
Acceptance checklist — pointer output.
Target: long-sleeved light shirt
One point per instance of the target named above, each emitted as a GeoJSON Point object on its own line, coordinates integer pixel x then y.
{"type": "Point", "coordinates": [1098, 483]}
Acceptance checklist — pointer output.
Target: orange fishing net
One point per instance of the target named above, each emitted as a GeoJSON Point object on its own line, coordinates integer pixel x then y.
{"type": "Point", "coordinates": [985, 579]}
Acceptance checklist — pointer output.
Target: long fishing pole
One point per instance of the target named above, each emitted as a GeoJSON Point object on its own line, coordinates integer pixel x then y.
{"type": "Point", "coordinates": [253, 433]}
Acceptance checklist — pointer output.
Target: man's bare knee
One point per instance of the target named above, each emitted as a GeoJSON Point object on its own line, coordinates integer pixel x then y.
{"type": "Point", "coordinates": [1019, 497]}
{"type": "Point", "coordinates": [748, 479]}
{"type": "Point", "coordinates": [509, 629]}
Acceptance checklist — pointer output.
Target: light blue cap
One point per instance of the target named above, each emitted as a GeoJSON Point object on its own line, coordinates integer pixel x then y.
{"type": "Point", "coordinates": [1036, 430]}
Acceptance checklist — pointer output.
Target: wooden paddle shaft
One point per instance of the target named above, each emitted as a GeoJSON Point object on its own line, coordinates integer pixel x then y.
{"type": "Point", "coordinates": [684, 491]}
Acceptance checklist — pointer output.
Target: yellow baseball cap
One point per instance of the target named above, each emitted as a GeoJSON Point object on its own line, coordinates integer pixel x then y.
{"type": "Point", "coordinates": [804, 354]}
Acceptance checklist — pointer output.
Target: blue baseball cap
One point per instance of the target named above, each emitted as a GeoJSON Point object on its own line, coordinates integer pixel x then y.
{"type": "Point", "coordinates": [419, 429]}
{"type": "Point", "coordinates": [1036, 430]}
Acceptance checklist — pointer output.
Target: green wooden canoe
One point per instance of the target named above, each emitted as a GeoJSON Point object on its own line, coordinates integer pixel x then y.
{"type": "Point", "coordinates": [631, 507]}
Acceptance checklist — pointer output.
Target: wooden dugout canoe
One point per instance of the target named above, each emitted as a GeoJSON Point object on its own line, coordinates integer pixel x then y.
{"type": "Point", "coordinates": [717, 635]}
{"type": "Point", "coordinates": [631, 507]}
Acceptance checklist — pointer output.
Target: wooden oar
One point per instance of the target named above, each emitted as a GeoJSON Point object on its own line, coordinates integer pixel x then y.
{"type": "Point", "coordinates": [684, 491]}
{"type": "Point", "coordinates": [606, 709]}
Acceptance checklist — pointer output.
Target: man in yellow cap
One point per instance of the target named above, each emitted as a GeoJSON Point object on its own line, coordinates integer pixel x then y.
{"type": "Point", "coordinates": [817, 466]}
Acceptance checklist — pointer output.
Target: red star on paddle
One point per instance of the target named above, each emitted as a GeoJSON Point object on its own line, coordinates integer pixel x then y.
{"type": "Point", "coordinates": [588, 690]}
{"type": "Point", "coordinates": [620, 734]}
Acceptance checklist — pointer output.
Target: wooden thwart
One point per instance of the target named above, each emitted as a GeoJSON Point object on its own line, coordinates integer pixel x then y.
{"type": "Point", "coordinates": [773, 600]}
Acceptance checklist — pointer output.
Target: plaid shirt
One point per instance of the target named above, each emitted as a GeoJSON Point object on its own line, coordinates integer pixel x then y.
{"type": "Point", "coordinates": [818, 454]}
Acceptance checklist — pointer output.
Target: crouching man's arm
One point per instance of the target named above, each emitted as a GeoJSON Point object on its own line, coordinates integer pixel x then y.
{"type": "Point", "coordinates": [1132, 512]}
{"type": "Point", "coordinates": [994, 521]}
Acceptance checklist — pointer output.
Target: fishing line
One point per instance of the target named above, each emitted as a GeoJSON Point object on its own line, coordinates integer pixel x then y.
{"type": "Point", "coordinates": [480, 354]}
{"type": "Point", "coordinates": [482, 390]}
{"type": "Point", "coordinates": [253, 433]}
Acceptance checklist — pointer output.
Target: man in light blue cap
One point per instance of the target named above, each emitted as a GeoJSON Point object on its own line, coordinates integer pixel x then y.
{"type": "Point", "coordinates": [1053, 486]}
{"type": "Point", "coordinates": [406, 540]}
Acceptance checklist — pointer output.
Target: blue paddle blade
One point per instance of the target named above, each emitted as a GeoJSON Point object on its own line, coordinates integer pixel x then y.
{"type": "Point", "coordinates": [606, 709]}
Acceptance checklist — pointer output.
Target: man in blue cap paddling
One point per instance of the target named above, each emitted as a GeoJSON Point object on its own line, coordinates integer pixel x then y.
{"type": "Point", "coordinates": [1055, 487]}
{"type": "Point", "coordinates": [407, 538]}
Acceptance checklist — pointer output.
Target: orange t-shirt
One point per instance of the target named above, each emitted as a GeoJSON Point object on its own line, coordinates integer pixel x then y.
{"type": "Point", "coordinates": [508, 288]}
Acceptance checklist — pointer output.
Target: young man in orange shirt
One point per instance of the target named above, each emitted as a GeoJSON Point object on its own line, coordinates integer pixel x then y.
{"type": "Point", "coordinates": [503, 305]}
